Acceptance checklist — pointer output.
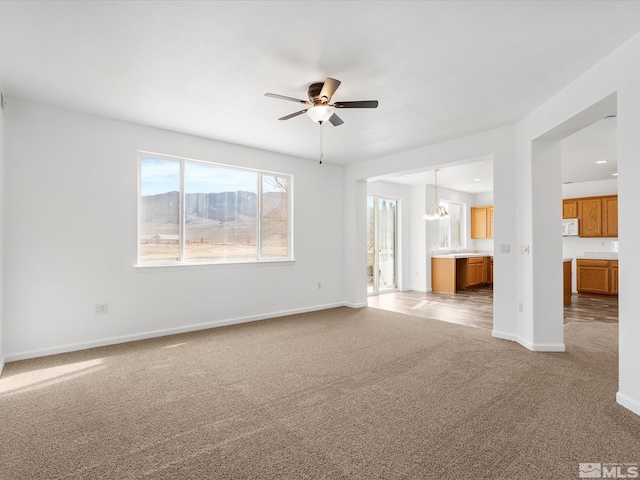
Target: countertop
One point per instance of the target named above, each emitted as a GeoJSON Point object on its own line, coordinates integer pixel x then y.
{"type": "Point", "coordinates": [463, 255]}
{"type": "Point", "coordinates": [601, 256]}
{"type": "Point", "coordinates": [598, 256]}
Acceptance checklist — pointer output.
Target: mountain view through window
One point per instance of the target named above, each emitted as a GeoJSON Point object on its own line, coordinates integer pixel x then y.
{"type": "Point", "coordinates": [220, 214]}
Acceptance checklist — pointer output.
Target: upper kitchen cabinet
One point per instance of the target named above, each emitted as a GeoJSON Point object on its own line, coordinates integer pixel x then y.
{"type": "Point", "coordinates": [610, 216]}
{"type": "Point", "coordinates": [597, 216]}
{"type": "Point", "coordinates": [570, 208]}
{"type": "Point", "coordinates": [590, 217]}
{"type": "Point", "coordinates": [482, 222]}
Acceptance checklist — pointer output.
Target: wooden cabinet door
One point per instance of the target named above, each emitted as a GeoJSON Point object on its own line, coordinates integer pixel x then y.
{"type": "Point", "coordinates": [478, 222]}
{"type": "Point", "coordinates": [489, 222]}
{"type": "Point", "coordinates": [482, 274]}
{"type": "Point", "coordinates": [590, 217]}
{"type": "Point", "coordinates": [593, 276]}
{"type": "Point", "coordinates": [472, 278]}
{"type": "Point", "coordinates": [570, 208]}
{"type": "Point", "coordinates": [613, 268]}
{"type": "Point", "coordinates": [610, 216]}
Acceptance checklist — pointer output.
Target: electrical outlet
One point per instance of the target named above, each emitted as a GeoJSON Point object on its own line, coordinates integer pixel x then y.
{"type": "Point", "coordinates": [102, 308]}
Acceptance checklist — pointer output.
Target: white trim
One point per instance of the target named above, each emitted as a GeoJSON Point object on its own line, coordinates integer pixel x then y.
{"type": "Point", "coordinates": [506, 336]}
{"type": "Point", "coordinates": [421, 290]}
{"type": "Point", "coordinates": [161, 333]}
{"type": "Point", "coordinates": [628, 402]}
{"type": "Point", "coordinates": [2, 360]}
{"type": "Point", "coordinates": [548, 347]}
{"type": "Point", "coordinates": [534, 347]}
{"type": "Point", "coordinates": [190, 266]}
{"type": "Point", "coordinates": [355, 305]}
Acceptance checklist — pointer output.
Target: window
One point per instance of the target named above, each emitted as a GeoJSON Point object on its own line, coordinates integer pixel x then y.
{"type": "Point", "coordinates": [452, 233]}
{"type": "Point", "coordinates": [193, 212]}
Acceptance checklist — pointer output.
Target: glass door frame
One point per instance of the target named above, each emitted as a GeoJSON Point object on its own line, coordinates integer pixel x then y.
{"type": "Point", "coordinates": [374, 288]}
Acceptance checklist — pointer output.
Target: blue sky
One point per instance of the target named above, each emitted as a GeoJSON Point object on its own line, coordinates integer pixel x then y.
{"type": "Point", "coordinates": [160, 176]}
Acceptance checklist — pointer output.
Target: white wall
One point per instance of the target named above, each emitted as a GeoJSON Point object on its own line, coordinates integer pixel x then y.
{"type": "Point", "coordinates": [613, 80]}
{"type": "Point", "coordinates": [403, 194]}
{"type": "Point", "coordinates": [2, 188]}
{"type": "Point", "coordinates": [71, 197]}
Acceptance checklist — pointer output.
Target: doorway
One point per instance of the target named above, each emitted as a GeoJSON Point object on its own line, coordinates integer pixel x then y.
{"type": "Point", "coordinates": [382, 244]}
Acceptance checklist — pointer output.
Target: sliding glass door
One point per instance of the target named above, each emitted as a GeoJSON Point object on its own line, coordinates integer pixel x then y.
{"type": "Point", "coordinates": [382, 221]}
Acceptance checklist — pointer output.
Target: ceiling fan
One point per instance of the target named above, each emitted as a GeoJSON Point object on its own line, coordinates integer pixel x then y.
{"type": "Point", "coordinates": [320, 109]}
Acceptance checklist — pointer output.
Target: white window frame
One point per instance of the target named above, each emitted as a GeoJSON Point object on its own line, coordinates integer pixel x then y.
{"type": "Point", "coordinates": [463, 224]}
{"type": "Point", "coordinates": [182, 195]}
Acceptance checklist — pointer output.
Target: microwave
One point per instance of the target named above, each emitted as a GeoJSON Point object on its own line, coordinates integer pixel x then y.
{"type": "Point", "coordinates": [570, 227]}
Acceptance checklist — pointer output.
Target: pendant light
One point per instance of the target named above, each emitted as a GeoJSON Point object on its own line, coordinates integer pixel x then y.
{"type": "Point", "coordinates": [436, 212]}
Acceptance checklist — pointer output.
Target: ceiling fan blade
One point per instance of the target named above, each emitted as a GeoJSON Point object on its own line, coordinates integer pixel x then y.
{"type": "Point", "coordinates": [361, 104]}
{"type": "Point", "coordinates": [329, 88]}
{"type": "Point", "coordinates": [291, 99]}
{"type": "Point", "coordinates": [335, 120]}
{"type": "Point", "coordinates": [294, 114]}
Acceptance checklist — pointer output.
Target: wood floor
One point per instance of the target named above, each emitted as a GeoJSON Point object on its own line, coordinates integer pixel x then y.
{"type": "Point", "coordinates": [474, 308]}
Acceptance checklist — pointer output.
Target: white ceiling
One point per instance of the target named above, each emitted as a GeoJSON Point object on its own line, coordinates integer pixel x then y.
{"type": "Point", "coordinates": [473, 177]}
{"type": "Point", "coordinates": [580, 152]}
{"type": "Point", "coordinates": [440, 69]}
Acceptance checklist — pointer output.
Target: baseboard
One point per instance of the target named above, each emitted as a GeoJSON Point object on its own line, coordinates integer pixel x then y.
{"type": "Point", "coordinates": [355, 305]}
{"type": "Point", "coordinates": [535, 347]}
{"type": "Point", "coordinates": [548, 347]}
{"type": "Point", "coordinates": [165, 332]}
{"type": "Point", "coordinates": [628, 402]}
{"type": "Point", "coordinates": [506, 336]}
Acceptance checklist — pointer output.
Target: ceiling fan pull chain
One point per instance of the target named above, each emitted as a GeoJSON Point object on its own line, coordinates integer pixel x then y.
{"type": "Point", "coordinates": [321, 145]}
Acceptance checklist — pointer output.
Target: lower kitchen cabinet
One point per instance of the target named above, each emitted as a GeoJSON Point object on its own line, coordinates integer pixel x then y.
{"type": "Point", "coordinates": [449, 274]}
{"type": "Point", "coordinates": [477, 274]}
{"type": "Point", "coordinates": [597, 276]}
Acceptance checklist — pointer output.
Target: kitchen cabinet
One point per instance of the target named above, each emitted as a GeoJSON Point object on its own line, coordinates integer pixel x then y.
{"type": "Point", "coordinates": [570, 208]}
{"type": "Point", "coordinates": [597, 276]}
{"type": "Point", "coordinates": [597, 216]}
{"type": "Point", "coordinates": [590, 217]}
{"type": "Point", "coordinates": [482, 222]}
{"type": "Point", "coordinates": [488, 265]}
{"type": "Point", "coordinates": [566, 282]}
{"type": "Point", "coordinates": [610, 216]}
{"type": "Point", "coordinates": [443, 275]}
{"type": "Point", "coordinates": [476, 272]}
{"type": "Point", "coordinates": [449, 274]}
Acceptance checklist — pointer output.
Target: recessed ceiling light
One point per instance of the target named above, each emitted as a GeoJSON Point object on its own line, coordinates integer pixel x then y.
{"type": "Point", "coordinates": [615, 174]}
{"type": "Point", "coordinates": [476, 179]}
{"type": "Point", "coordinates": [601, 161]}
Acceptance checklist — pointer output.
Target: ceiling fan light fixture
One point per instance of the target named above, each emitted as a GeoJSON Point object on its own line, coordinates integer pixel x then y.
{"type": "Point", "coordinates": [320, 113]}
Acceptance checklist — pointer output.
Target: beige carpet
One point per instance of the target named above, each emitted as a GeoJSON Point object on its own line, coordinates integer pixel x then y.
{"type": "Point", "coordinates": [338, 394]}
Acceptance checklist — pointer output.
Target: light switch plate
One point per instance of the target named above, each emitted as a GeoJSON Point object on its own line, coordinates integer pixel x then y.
{"type": "Point", "coordinates": [524, 249]}
{"type": "Point", "coordinates": [505, 248]}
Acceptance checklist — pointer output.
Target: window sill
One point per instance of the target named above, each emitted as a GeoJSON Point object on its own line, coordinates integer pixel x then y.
{"type": "Point", "coordinates": [148, 267]}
